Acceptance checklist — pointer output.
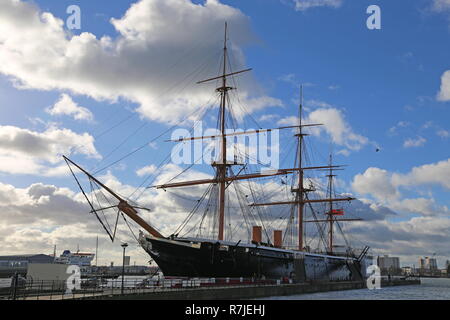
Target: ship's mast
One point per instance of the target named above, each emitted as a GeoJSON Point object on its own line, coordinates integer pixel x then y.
{"type": "Point", "coordinates": [300, 190]}
{"type": "Point", "coordinates": [222, 165]}
{"type": "Point", "coordinates": [123, 205]}
{"type": "Point", "coordinates": [222, 178]}
{"type": "Point", "coordinates": [330, 212]}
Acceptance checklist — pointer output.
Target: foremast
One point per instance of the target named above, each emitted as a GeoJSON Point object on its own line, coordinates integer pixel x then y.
{"type": "Point", "coordinates": [222, 165]}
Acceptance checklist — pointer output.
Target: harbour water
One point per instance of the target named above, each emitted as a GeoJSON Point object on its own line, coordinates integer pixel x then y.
{"type": "Point", "coordinates": [430, 289]}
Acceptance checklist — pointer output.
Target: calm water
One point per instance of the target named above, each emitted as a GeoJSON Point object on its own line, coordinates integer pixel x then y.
{"type": "Point", "coordinates": [435, 289]}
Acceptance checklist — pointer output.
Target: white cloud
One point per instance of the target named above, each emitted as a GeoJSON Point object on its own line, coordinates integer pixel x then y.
{"type": "Point", "coordinates": [318, 104]}
{"type": "Point", "coordinates": [418, 236]}
{"type": "Point", "coordinates": [376, 182]}
{"type": "Point", "coordinates": [160, 42]}
{"type": "Point", "coordinates": [386, 187]}
{"type": "Point", "coordinates": [427, 207]}
{"type": "Point", "coordinates": [146, 170]}
{"type": "Point", "coordinates": [443, 133]}
{"type": "Point", "coordinates": [268, 117]}
{"type": "Point", "coordinates": [435, 173]}
{"type": "Point", "coordinates": [414, 143]}
{"type": "Point", "coordinates": [441, 5]}
{"type": "Point", "coordinates": [401, 124]}
{"type": "Point", "coordinates": [288, 121]}
{"type": "Point", "coordinates": [303, 5]}
{"type": "Point", "coordinates": [334, 124]}
{"type": "Point", "coordinates": [37, 217]}
{"type": "Point", "coordinates": [290, 78]}
{"type": "Point", "coordinates": [444, 92]}
{"type": "Point", "coordinates": [334, 87]}
{"type": "Point", "coordinates": [66, 106]}
{"type": "Point", "coordinates": [23, 151]}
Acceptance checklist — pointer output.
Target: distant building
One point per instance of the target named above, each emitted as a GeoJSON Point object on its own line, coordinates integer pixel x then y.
{"type": "Point", "coordinates": [390, 265]}
{"type": "Point", "coordinates": [407, 270]}
{"type": "Point", "coordinates": [428, 264]}
{"type": "Point", "coordinates": [19, 263]}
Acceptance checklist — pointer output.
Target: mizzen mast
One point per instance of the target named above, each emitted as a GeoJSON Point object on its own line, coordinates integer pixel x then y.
{"type": "Point", "coordinates": [330, 212]}
{"type": "Point", "coordinates": [301, 199]}
{"type": "Point", "coordinates": [300, 190]}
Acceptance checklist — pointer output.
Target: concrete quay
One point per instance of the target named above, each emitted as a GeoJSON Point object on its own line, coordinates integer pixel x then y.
{"type": "Point", "coordinates": [247, 292]}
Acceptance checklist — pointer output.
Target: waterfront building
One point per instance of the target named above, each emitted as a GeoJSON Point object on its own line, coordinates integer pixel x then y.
{"type": "Point", "coordinates": [428, 264]}
{"type": "Point", "coordinates": [19, 263]}
{"type": "Point", "coordinates": [389, 265]}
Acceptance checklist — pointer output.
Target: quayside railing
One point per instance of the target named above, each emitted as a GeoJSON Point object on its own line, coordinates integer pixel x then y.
{"type": "Point", "coordinates": [59, 290]}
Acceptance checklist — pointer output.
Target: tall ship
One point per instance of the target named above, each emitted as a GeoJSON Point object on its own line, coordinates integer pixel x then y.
{"type": "Point", "coordinates": [234, 229]}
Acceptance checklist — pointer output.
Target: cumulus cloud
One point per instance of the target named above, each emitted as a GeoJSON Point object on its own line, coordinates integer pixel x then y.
{"type": "Point", "coordinates": [23, 151]}
{"type": "Point", "coordinates": [162, 48]}
{"type": "Point", "coordinates": [376, 182]}
{"type": "Point", "coordinates": [334, 124]}
{"type": "Point", "coordinates": [441, 6]}
{"type": "Point", "coordinates": [385, 187]}
{"type": "Point", "coordinates": [338, 128]}
{"type": "Point", "coordinates": [444, 92]}
{"type": "Point", "coordinates": [147, 170]}
{"type": "Point", "coordinates": [66, 106]}
{"type": "Point", "coordinates": [432, 174]}
{"type": "Point", "coordinates": [37, 217]}
{"type": "Point", "coordinates": [268, 117]}
{"type": "Point", "coordinates": [409, 239]}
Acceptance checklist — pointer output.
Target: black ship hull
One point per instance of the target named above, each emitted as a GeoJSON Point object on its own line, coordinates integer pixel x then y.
{"type": "Point", "coordinates": [206, 258]}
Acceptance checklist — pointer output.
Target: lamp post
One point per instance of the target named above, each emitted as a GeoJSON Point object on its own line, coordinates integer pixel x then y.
{"type": "Point", "coordinates": [124, 246]}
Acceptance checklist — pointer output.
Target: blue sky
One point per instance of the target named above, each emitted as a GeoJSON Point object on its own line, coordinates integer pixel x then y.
{"type": "Point", "coordinates": [383, 85]}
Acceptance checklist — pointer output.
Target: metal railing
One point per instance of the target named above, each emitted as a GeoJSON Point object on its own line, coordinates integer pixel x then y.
{"type": "Point", "coordinates": [103, 288]}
